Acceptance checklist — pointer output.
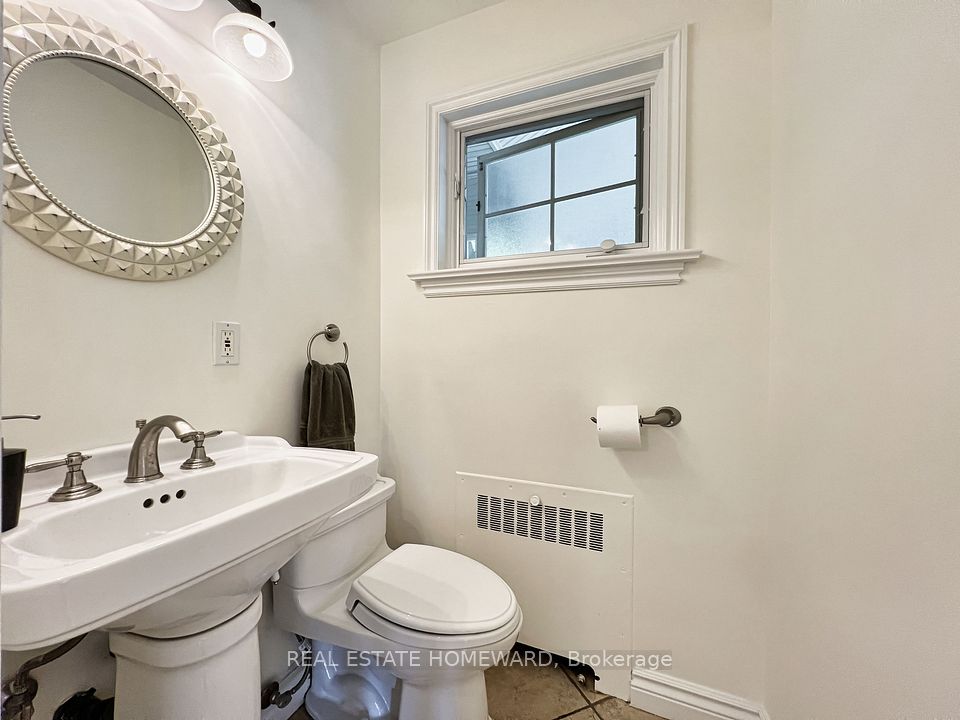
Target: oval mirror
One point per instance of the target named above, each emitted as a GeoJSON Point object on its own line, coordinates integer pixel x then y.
{"type": "Point", "coordinates": [111, 149]}
{"type": "Point", "coordinates": [109, 162]}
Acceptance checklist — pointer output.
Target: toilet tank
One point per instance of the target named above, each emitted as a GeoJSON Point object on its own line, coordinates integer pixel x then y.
{"type": "Point", "coordinates": [343, 542]}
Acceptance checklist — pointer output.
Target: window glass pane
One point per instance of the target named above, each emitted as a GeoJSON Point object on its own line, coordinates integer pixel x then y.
{"type": "Point", "coordinates": [585, 221]}
{"type": "Point", "coordinates": [518, 179]}
{"type": "Point", "coordinates": [511, 140]}
{"type": "Point", "coordinates": [471, 216]}
{"type": "Point", "coordinates": [524, 231]}
{"type": "Point", "coordinates": [597, 158]}
{"type": "Point", "coordinates": [580, 164]}
{"type": "Point", "coordinates": [471, 194]}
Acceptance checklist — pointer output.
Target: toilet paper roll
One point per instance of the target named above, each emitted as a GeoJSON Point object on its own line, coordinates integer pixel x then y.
{"type": "Point", "coordinates": [618, 426]}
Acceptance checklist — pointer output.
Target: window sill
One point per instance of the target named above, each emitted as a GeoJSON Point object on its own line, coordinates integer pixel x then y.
{"type": "Point", "coordinates": [623, 269]}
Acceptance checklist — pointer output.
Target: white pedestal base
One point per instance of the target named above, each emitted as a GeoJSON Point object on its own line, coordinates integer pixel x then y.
{"type": "Point", "coordinates": [213, 675]}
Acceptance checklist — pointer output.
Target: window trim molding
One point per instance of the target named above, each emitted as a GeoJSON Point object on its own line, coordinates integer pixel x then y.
{"type": "Point", "coordinates": [655, 68]}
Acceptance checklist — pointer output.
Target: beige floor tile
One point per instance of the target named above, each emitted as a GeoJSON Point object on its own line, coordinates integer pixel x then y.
{"type": "Point", "coordinates": [585, 714]}
{"type": "Point", "coordinates": [531, 693]}
{"type": "Point", "coordinates": [534, 693]}
{"type": "Point", "coordinates": [617, 709]}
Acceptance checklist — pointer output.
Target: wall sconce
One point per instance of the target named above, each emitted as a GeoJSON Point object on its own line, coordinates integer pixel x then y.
{"type": "Point", "coordinates": [250, 44]}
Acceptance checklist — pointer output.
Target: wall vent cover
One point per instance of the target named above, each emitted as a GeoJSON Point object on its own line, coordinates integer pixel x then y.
{"type": "Point", "coordinates": [547, 523]}
{"type": "Point", "coordinates": [568, 559]}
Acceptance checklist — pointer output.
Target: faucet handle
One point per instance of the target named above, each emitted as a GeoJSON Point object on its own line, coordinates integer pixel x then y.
{"type": "Point", "coordinates": [75, 484]}
{"type": "Point", "coordinates": [73, 461]}
{"type": "Point", "coordinates": [140, 423]}
{"type": "Point", "coordinates": [199, 436]}
{"type": "Point", "coordinates": [198, 457]}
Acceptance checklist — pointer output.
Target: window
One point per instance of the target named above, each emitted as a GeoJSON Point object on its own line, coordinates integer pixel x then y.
{"type": "Point", "coordinates": [526, 178]}
{"type": "Point", "coordinates": [562, 184]}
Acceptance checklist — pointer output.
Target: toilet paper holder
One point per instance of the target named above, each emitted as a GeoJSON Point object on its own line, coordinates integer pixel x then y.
{"type": "Point", "coordinates": [665, 416]}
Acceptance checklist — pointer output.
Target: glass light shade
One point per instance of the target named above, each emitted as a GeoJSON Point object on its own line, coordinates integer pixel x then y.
{"type": "Point", "coordinates": [239, 37]}
{"type": "Point", "coordinates": [181, 5]}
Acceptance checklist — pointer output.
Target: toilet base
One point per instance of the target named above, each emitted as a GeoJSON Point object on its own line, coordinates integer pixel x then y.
{"type": "Point", "coordinates": [343, 690]}
{"type": "Point", "coordinates": [463, 698]}
{"type": "Point", "coordinates": [350, 686]}
{"type": "Point", "coordinates": [213, 675]}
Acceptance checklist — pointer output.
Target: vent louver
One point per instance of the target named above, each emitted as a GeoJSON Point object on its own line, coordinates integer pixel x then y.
{"type": "Point", "coordinates": [547, 523]}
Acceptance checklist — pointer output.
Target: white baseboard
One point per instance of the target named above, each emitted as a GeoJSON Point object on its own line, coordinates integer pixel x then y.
{"type": "Point", "coordinates": [676, 699]}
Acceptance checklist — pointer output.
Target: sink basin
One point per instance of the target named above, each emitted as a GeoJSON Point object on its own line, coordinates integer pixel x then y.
{"type": "Point", "coordinates": [174, 556]}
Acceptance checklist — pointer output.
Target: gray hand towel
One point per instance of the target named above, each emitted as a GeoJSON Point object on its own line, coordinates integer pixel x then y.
{"type": "Point", "coordinates": [327, 415]}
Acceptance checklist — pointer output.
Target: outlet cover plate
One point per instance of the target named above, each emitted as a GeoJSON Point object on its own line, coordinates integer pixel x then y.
{"type": "Point", "coordinates": [226, 343]}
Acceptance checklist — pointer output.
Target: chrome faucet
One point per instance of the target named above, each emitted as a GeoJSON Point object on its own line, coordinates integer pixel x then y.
{"type": "Point", "coordinates": [144, 464]}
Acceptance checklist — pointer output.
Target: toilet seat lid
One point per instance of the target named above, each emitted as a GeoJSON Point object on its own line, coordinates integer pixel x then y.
{"type": "Point", "coordinates": [433, 590]}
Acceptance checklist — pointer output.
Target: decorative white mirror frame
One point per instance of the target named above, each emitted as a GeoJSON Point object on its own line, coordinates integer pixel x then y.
{"type": "Point", "coordinates": [33, 32]}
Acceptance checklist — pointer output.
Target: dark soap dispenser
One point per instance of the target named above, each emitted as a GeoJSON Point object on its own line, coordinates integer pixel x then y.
{"type": "Point", "coordinates": [14, 462]}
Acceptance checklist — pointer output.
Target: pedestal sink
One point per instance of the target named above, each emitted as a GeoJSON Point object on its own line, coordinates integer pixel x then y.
{"type": "Point", "coordinates": [170, 566]}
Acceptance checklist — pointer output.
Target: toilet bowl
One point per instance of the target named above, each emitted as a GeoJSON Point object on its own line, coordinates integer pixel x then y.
{"type": "Point", "coordinates": [403, 633]}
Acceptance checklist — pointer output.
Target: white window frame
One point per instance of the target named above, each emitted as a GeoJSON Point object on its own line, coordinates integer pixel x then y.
{"type": "Point", "coordinates": [655, 70]}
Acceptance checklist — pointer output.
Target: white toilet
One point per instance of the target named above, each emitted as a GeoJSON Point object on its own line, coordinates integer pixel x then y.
{"type": "Point", "coordinates": [403, 633]}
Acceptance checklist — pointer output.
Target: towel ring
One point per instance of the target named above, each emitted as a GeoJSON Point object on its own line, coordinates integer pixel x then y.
{"type": "Point", "coordinates": [332, 333]}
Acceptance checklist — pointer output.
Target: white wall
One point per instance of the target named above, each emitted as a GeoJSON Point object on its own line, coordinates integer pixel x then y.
{"type": "Point", "coordinates": [92, 353]}
{"type": "Point", "coordinates": [865, 361]}
{"type": "Point", "coordinates": [505, 385]}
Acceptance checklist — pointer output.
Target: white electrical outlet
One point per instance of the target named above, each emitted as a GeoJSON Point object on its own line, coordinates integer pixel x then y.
{"type": "Point", "coordinates": [226, 343]}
